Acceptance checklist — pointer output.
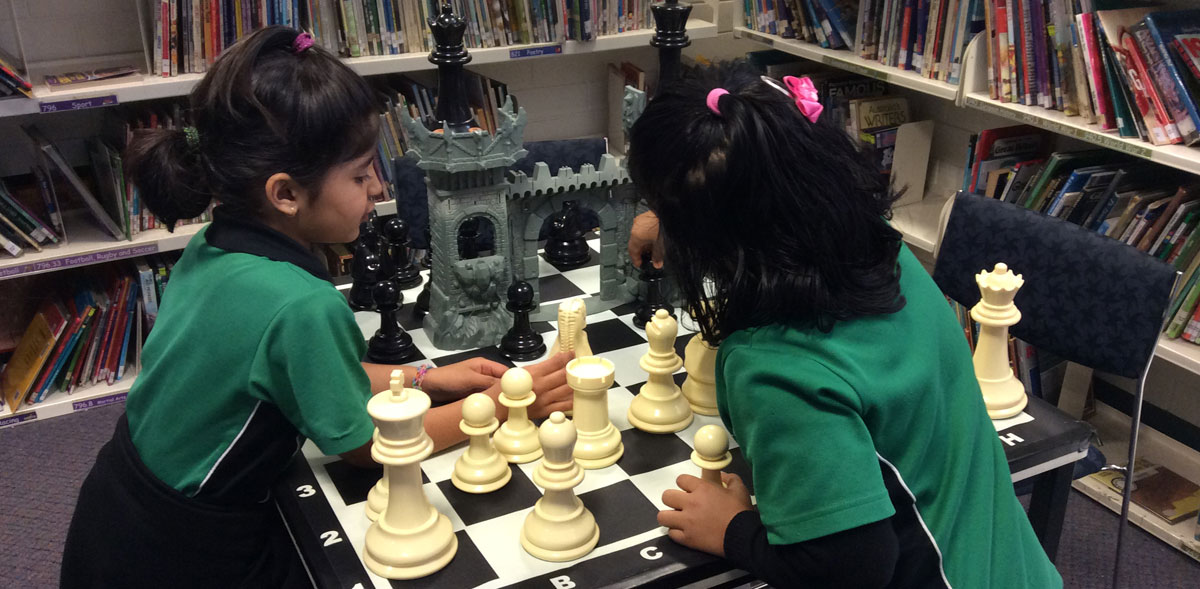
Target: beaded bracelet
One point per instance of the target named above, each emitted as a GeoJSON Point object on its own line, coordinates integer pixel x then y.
{"type": "Point", "coordinates": [420, 377]}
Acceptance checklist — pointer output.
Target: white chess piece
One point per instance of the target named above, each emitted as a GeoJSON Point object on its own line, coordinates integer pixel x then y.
{"type": "Point", "coordinates": [1003, 393]}
{"type": "Point", "coordinates": [700, 386]}
{"type": "Point", "coordinates": [572, 319]}
{"type": "Point", "coordinates": [711, 452]}
{"type": "Point", "coordinates": [517, 438]}
{"type": "Point", "coordinates": [410, 539]}
{"type": "Point", "coordinates": [660, 406]}
{"type": "Point", "coordinates": [599, 441]}
{"type": "Point", "coordinates": [481, 469]}
{"type": "Point", "coordinates": [559, 528]}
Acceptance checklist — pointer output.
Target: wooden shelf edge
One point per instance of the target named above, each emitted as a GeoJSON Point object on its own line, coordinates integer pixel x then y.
{"type": "Point", "coordinates": [846, 60]}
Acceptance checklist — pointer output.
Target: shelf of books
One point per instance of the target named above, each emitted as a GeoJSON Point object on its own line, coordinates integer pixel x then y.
{"type": "Point", "coordinates": [148, 87]}
{"type": "Point", "coordinates": [60, 403]}
{"type": "Point", "coordinates": [89, 244]}
{"type": "Point", "coordinates": [1167, 474]}
{"type": "Point", "coordinates": [1175, 156]}
{"type": "Point", "coordinates": [846, 60]}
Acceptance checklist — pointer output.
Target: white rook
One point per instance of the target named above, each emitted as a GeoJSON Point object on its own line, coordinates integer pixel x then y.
{"type": "Point", "coordinates": [599, 442]}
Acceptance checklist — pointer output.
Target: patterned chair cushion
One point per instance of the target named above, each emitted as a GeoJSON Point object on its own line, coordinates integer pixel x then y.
{"type": "Point", "coordinates": [1090, 299]}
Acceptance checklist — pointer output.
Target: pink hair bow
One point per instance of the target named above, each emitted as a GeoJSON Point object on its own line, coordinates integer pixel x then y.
{"type": "Point", "coordinates": [805, 95]}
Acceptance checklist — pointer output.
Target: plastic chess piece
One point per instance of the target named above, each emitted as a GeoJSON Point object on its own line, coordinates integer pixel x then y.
{"type": "Point", "coordinates": [365, 272]}
{"type": "Point", "coordinates": [517, 438]}
{"type": "Point", "coordinates": [481, 469]}
{"type": "Point", "coordinates": [410, 539]}
{"type": "Point", "coordinates": [566, 248]}
{"type": "Point", "coordinates": [660, 406]}
{"type": "Point", "coordinates": [560, 527]}
{"type": "Point", "coordinates": [655, 299]}
{"type": "Point", "coordinates": [700, 388]}
{"type": "Point", "coordinates": [599, 442]}
{"type": "Point", "coordinates": [521, 343]}
{"type": "Point", "coordinates": [572, 319]}
{"type": "Point", "coordinates": [711, 452]}
{"type": "Point", "coordinates": [407, 274]}
{"type": "Point", "coordinates": [390, 344]}
{"type": "Point", "coordinates": [1003, 393]}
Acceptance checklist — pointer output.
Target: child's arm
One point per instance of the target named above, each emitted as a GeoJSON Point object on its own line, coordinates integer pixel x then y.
{"type": "Point", "coordinates": [441, 422]}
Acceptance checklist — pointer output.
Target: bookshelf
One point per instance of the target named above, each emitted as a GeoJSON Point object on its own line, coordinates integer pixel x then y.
{"type": "Point", "coordinates": [58, 404]}
{"type": "Point", "coordinates": [1113, 428]}
{"type": "Point", "coordinates": [149, 87]}
{"type": "Point", "coordinates": [847, 60]}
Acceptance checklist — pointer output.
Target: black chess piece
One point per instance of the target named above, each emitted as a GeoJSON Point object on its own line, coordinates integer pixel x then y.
{"type": "Point", "coordinates": [566, 247]}
{"type": "Point", "coordinates": [521, 343]}
{"type": "Point", "coordinates": [390, 344]}
{"type": "Point", "coordinates": [468, 239]}
{"type": "Point", "coordinates": [387, 266]}
{"type": "Point", "coordinates": [427, 259]}
{"type": "Point", "coordinates": [368, 234]}
{"type": "Point", "coordinates": [407, 274]}
{"type": "Point", "coordinates": [655, 299]}
{"type": "Point", "coordinates": [364, 269]}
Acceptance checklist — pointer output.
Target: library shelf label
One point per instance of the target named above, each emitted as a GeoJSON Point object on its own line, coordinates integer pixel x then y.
{"type": "Point", "coordinates": [15, 419]}
{"type": "Point", "coordinates": [78, 103]}
{"type": "Point", "coordinates": [80, 260]}
{"type": "Point", "coordinates": [1109, 141]}
{"type": "Point", "coordinates": [98, 401]}
{"type": "Point", "coordinates": [535, 51]}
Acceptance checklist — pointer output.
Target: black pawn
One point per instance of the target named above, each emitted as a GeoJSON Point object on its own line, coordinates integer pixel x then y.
{"type": "Point", "coordinates": [566, 247]}
{"type": "Point", "coordinates": [653, 278]}
{"type": "Point", "coordinates": [390, 344]}
{"type": "Point", "coordinates": [365, 272]}
{"type": "Point", "coordinates": [407, 274]}
{"type": "Point", "coordinates": [521, 343]}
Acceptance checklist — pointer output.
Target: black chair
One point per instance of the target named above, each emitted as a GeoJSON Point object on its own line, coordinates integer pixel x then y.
{"type": "Point", "coordinates": [1087, 298]}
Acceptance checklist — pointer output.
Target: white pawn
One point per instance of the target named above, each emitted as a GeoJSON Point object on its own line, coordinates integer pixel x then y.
{"type": "Point", "coordinates": [711, 452]}
{"type": "Point", "coordinates": [517, 438]}
{"type": "Point", "coordinates": [410, 539]}
{"type": "Point", "coordinates": [700, 386]}
{"type": "Point", "coordinates": [481, 469]}
{"type": "Point", "coordinates": [660, 406]}
{"type": "Point", "coordinates": [559, 528]}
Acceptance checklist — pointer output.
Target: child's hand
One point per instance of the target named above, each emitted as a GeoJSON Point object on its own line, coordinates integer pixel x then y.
{"type": "Point", "coordinates": [550, 386]}
{"type": "Point", "coordinates": [643, 236]}
{"type": "Point", "coordinates": [455, 381]}
{"type": "Point", "coordinates": [701, 511]}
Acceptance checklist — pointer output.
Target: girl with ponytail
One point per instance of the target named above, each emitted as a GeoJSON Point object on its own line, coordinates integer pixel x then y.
{"type": "Point", "coordinates": [254, 350]}
{"type": "Point", "coordinates": [841, 373]}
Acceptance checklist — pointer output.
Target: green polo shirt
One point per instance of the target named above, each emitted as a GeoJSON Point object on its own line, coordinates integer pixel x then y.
{"type": "Point", "coordinates": [252, 352]}
{"type": "Point", "coordinates": [881, 414]}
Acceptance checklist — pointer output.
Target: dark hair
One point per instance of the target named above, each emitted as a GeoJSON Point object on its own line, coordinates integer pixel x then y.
{"type": "Point", "coordinates": [262, 109]}
{"type": "Point", "coordinates": [785, 218]}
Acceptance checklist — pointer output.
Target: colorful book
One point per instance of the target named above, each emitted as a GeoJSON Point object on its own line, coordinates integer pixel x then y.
{"type": "Point", "coordinates": [35, 346]}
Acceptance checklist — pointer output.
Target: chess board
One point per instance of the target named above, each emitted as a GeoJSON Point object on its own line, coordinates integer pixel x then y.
{"type": "Point", "coordinates": [323, 499]}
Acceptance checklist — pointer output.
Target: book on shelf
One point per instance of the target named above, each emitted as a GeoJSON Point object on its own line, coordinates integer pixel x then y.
{"type": "Point", "coordinates": [35, 346]}
{"type": "Point", "coordinates": [89, 78]}
{"type": "Point", "coordinates": [54, 156]}
{"type": "Point", "coordinates": [1157, 489]}
{"type": "Point", "coordinates": [1004, 147]}
{"type": "Point", "coordinates": [13, 78]}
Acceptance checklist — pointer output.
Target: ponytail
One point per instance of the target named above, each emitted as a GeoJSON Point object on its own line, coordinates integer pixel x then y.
{"type": "Point", "coordinates": [169, 174]}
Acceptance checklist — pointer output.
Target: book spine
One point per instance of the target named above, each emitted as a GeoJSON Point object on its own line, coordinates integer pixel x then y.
{"type": "Point", "coordinates": [1142, 82]}
{"type": "Point", "coordinates": [1170, 83]}
{"type": "Point", "coordinates": [1180, 320]}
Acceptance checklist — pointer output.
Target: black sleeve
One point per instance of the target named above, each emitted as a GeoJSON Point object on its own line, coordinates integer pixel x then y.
{"type": "Point", "coordinates": [859, 557]}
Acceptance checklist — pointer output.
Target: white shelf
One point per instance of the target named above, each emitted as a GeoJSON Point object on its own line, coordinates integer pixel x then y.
{"type": "Point", "coordinates": [919, 222]}
{"type": "Point", "coordinates": [148, 87]}
{"type": "Point", "coordinates": [1113, 428]}
{"type": "Point", "coordinates": [1180, 352]}
{"type": "Point", "coordinates": [848, 61]}
{"type": "Point", "coordinates": [1175, 156]}
{"type": "Point", "coordinates": [59, 404]}
{"type": "Point", "coordinates": [89, 244]}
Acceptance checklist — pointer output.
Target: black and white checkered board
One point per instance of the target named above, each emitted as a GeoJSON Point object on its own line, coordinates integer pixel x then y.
{"type": "Point", "coordinates": [325, 501]}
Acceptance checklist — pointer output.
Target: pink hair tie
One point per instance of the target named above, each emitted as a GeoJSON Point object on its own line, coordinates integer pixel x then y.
{"type": "Point", "coordinates": [302, 42]}
{"type": "Point", "coordinates": [714, 96]}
